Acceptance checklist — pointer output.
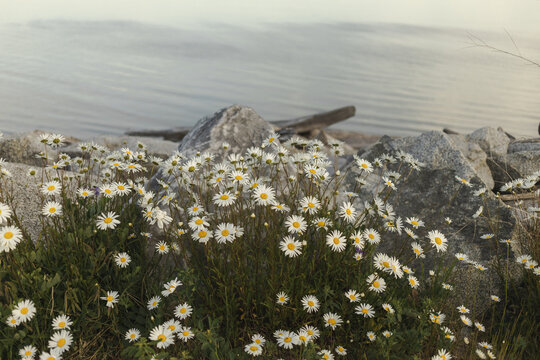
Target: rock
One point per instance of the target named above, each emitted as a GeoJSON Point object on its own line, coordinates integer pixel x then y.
{"type": "Point", "coordinates": [501, 171]}
{"type": "Point", "coordinates": [240, 126]}
{"type": "Point", "coordinates": [27, 202]}
{"type": "Point", "coordinates": [525, 162]}
{"type": "Point", "coordinates": [524, 145]}
{"type": "Point", "coordinates": [439, 150]}
{"type": "Point", "coordinates": [155, 146]}
{"type": "Point", "coordinates": [22, 148]}
{"type": "Point", "coordinates": [492, 141]}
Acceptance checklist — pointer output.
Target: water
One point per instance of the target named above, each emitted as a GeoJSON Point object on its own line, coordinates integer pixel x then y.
{"type": "Point", "coordinates": [87, 78]}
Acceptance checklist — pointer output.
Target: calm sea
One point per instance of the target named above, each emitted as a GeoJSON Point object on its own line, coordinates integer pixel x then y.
{"type": "Point", "coordinates": [86, 78]}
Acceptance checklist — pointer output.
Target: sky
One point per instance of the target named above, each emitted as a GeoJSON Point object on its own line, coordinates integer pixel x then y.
{"type": "Point", "coordinates": [495, 15]}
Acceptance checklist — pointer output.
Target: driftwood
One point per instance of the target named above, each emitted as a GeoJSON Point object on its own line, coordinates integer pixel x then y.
{"type": "Point", "coordinates": [517, 197]}
{"type": "Point", "coordinates": [307, 125]}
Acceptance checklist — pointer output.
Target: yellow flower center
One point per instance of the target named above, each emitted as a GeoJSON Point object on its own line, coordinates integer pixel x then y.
{"type": "Point", "coordinates": [224, 197]}
{"type": "Point", "coordinates": [336, 240]}
{"type": "Point", "coordinates": [24, 311]}
{"type": "Point", "coordinates": [61, 324]}
{"type": "Point", "coordinates": [340, 349]}
{"type": "Point", "coordinates": [281, 299]}
{"type": "Point", "coordinates": [253, 348]}
{"type": "Point", "coordinates": [332, 321]}
{"type": "Point", "coordinates": [310, 303]}
{"type": "Point", "coordinates": [51, 188]}
{"type": "Point", "coordinates": [271, 140]}
{"type": "Point", "coordinates": [264, 196]}
{"type": "Point", "coordinates": [183, 310]}
{"type": "Point", "coordinates": [225, 232]}
{"type": "Point", "coordinates": [195, 208]}
{"type": "Point", "coordinates": [325, 356]}
{"type": "Point", "coordinates": [185, 333]}
{"type": "Point", "coordinates": [321, 223]}
{"type": "Point", "coordinates": [310, 332]}
{"type": "Point", "coordinates": [61, 342]}
{"type": "Point", "coordinates": [352, 297]}
{"type": "Point", "coordinates": [162, 247]}
{"type": "Point", "coordinates": [110, 298]}
{"type": "Point", "coordinates": [52, 210]}
{"type": "Point", "coordinates": [27, 353]}
{"type": "Point", "coordinates": [202, 233]}
{"type": "Point", "coordinates": [198, 221]}
{"type": "Point", "coordinates": [386, 264]}
{"type": "Point", "coordinates": [162, 338]}
{"type": "Point", "coordinates": [311, 205]}
{"type": "Point", "coordinates": [131, 166]}
{"type": "Point", "coordinates": [365, 311]}
{"type": "Point", "coordinates": [13, 321]}
{"type": "Point", "coordinates": [287, 339]}
{"type": "Point", "coordinates": [238, 177]}
{"type": "Point", "coordinates": [296, 224]}
{"type": "Point", "coordinates": [120, 187]}
{"type": "Point", "coordinates": [191, 168]}
{"type": "Point", "coordinates": [107, 220]}
{"type": "Point", "coordinates": [412, 281]}
{"type": "Point", "coordinates": [8, 235]}
{"type": "Point", "coordinates": [348, 211]}
{"type": "Point", "coordinates": [172, 327]}
{"type": "Point", "coordinates": [116, 164]}
{"type": "Point", "coordinates": [132, 335]}
{"type": "Point", "coordinates": [51, 358]}
{"type": "Point", "coordinates": [290, 246]}
{"type": "Point", "coordinates": [219, 178]}
{"type": "Point", "coordinates": [376, 284]}
{"type": "Point", "coordinates": [313, 171]}
{"type": "Point", "coordinates": [414, 222]}
{"type": "Point", "coordinates": [108, 191]}
{"type": "Point", "coordinates": [438, 241]}
{"type": "Point", "coordinates": [371, 236]}
{"type": "Point", "coordinates": [84, 193]}
{"type": "Point", "coordinates": [364, 165]}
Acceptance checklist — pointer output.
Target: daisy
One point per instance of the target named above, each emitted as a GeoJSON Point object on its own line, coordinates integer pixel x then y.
{"type": "Point", "coordinates": [413, 282]}
{"type": "Point", "coordinates": [121, 188]}
{"type": "Point", "coordinates": [322, 223]}
{"type": "Point", "coordinates": [358, 240]}
{"type": "Point", "coordinates": [487, 236]}
{"type": "Point", "coordinates": [173, 325]}
{"type": "Point", "coordinates": [485, 345]}
{"type": "Point", "coordinates": [295, 224]}
{"type": "Point", "coordinates": [365, 310]}
{"type": "Point", "coordinates": [310, 303]}
{"type": "Point", "coordinates": [111, 298]}
{"type": "Point", "coordinates": [84, 192]}
{"type": "Point", "coordinates": [5, 213]}
{"type": "Point", "coordinates": [162, 248]}
{"type": "Point", "coordinates": [372, 236]}
{"type": "Point", "coordinates": [480, 354]}
{"type": "Point", "coordinates": [389, 183]}
{"type": "Point", "coordinates": [523, 259]}
{"type": "Point", "coordinates": [371, 336]}
{"type": "Point", "coordinates": [280, 207]}
{"type": "Point", "coordinates": [24, 311]}
{"type": "Point", "coordinates": [51, 188]}
{"type": "Point", "coordinates": [414, 222]}
{"type": "Point", "coordinates": [61, 341]}
{"type": "Point", "coordinates": [438, 240]}
{"type": "Point", "coordinates": [10, 236]}
{"type": "Point", "coordinates": [333, 320]}
{"type": "Point", "coordinates": [107, 190]}
{"type": "Point", "coordinates": [336, 241]}
{"type": "Point", "coordinates": [387, 333]}
{"type": "Point", "coordinates": [28, 352]}
{"type": "Point", "coordinates": [258, 339]}
{"type": "Point", "coordinates": [183, 311]}
{"type": "Point", "coordinates": [388, 308]}
{"type": "Point", "coordinates": [463, 181]}
{"type": "Point", "coordinates": [56, 140]}
{"type": "Point", "coordinates": [352, 295]}
{"type": "Point", "coordinates": [224, 199]}
{"type": "Point", "coordinates": [264, 195]}
{"type": "Point", "coordinates": [163, 335]}
{"type": "Point", "coordinates": [195, 209]}
{"type": "Point", "coordinates": [132, 335]}
{"type": "Point", "coordinates": [479, 326]}
{"type": "Point", "coordinates": [282, 298]}
{"type": "Point", "coordinates": [495, 298]}
{"type": "Point", "coordinates": [185, 334]}
{"type": "Point", "coordinates": [407, 270]}
{"type": "Point", "coordinates": [466, 320]}
{"type": "Point", "coordinates": [310, 204]}
{"type": "Point", "coordinates": [364, 165]}
{"type": "Point", "coordinates": [462, 257]}
{"type": "Point", "coordinates": [107, 221]}
{"type": "Point", "coordinates": [340, 350]}
{"type": "Point", "coordinates": [286, 340]}
{"type": "Point", "coordinates": [290, 246]}
{"type": "Point", "coordinates": [303, 337]}
{"type": "Point", "coordinates": [348, 212]}
{"type": "Point", "coordinates": [437, 318]}
{"type": "Point", "coordinates": [312, 332]}
{"type": "Point", "coordinates": [53, 354]}
{"type": "Point", "coordinates": [411, 233]}
{"type": "Point", "coordinates": [198, 223]}
{"type": "Point", "coordinates": [122, 259]}
{"type": "Point", "coordinates": [444, 355]}
{"type": "Point", "coordinates": [170, 287]}
{"type": "Point", "coordinates": [61, 322]}
{"type": "Point", "coordinates": [447, 286]}
{"type": "Point", "coordinates": [376, 283]}
{"type": "Point", "coordinates": [326, 355]}
{"type": "Point", "coordinates": [12, 321]}
{"type": "Point", "coordinates": [153, 303]}
{"type": "Point", "coordinates": [253, 349]}
{"type": "Point", "coordinates": [462, 309]}
{"type": "Point", "coordinates": [238, 177]}
{"type": "Point", "coordinates": [225, 232]}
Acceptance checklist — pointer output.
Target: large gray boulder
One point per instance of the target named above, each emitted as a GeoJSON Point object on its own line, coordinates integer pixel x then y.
{"type": "Point", "coordinates": [492, 141]}
{"type": "Point", "coordinates": [524, 156]}
{"type": "Point", "coordinates": [239, 126]}
{"type": "Point", "coordinates": [439, 150]}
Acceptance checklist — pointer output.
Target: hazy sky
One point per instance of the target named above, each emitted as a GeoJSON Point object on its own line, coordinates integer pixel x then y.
{"type": "Point", "coordinates": [497, 15]}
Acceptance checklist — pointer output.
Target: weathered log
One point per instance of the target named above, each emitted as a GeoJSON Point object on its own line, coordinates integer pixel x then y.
{"type": "Point", "coordinates": [303, 125]}
{"type": "Point", "coordinates": [450, 131]}
{"type": "Point", "coordinates": [517, 197]}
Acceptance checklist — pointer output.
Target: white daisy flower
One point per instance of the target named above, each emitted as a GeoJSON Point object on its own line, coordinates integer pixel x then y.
{"type": "Point", "coordinates": [132, 335]}
{"type": "Point", "coordinates": [10, 236]}
{"type": "Point", "coordinates": [332, 319]}
{"type": "Point", "coordinates": [282, 298]}
{"type": "Point", "coordinates": [183, 311]}
{"type": "Point", "coordinates": [28, 352]}
{"type": "Point", "coordinates": [61, 341]}
{"type": "Point", "coordinates": [51, 188]}
{"type": "Point", "coordinates": [264, 195]}
{"type": "Point", "coordinates": [225, 232]}
{"type": "Point", "coordinates": [24, 311]}
{"type": "Point", "coordinates": [224, 199]}
{"type": "Point", "coordinates": [336, 241]}
{"type": "Point", "coordinates": [366, 310]}
{"type": "Point", "coordinates": [122, 259]}
{"type": "Point", "coordinates": [107, 221]}
{"type": "Point", "coordinates": [310, 303]}
{"type": "Point", "coordinates": [295, 224]}
{"type": "Point", "coordinates": [61, 322]}
{"type": "Point", "coordinates": [290, 246]}
{"type": "Point", "coordinates": [438, 240]}
{"type": "Point", "coordinates": [111, 298]}
{"type": "Point", "coordinates": [170, 287]}
{"type": "Point", "coordinates": [185, 334]}
{"type": "Point", "coordinates": [163, 335]}
{"type": "Point", "coordinates": [348, 212]}
{"type": "Point", "coordinates": [309, 204]}
{"type": "Point", "coordinates": [51, 208]}
{"type": "Point", "coordinates": [352, 295]}
{"type": "Point", "coordinates": [5, 213]}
